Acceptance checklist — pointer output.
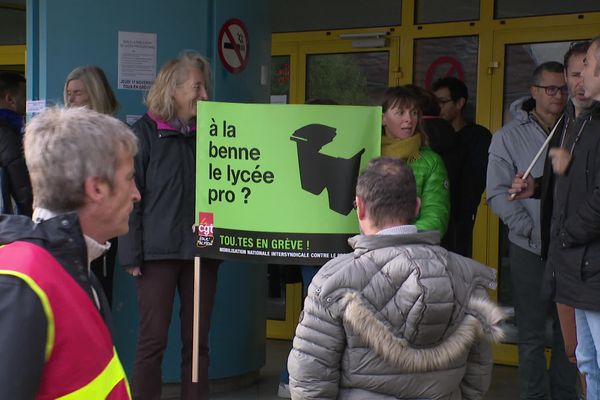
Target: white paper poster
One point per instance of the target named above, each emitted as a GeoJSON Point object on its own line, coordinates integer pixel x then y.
{"type": "Point", "coordinates": [35, 106]}
{"type": "Point", "coordinates": [137, 60]}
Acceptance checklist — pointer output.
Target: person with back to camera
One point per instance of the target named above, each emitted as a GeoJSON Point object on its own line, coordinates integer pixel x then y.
{"type": "Point", "coordinates": [404, 139]}
{"type": "Point", "coordinates": [87, 86]}
{"type": "Point", "coordinates": [160, 247]}
{"type": "Point", "coordinates": [399, 317]}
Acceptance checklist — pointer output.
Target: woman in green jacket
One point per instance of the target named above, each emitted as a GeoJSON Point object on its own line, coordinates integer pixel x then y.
{"type": "Point", "coordinates": [403, 138]}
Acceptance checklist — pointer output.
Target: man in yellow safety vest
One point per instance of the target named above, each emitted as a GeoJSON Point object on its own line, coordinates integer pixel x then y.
{"type": "Point", "coordinates": [55, 339]}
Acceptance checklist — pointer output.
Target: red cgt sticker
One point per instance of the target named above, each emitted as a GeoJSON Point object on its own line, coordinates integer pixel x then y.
{"type": "Point", "coordinates": [205, 229]}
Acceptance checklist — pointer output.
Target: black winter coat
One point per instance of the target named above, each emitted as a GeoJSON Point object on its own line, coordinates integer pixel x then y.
{"type": "Point", "coordinates": [13, 162]}
{"type": "Point", "coordinates": [161, 224]}
{"type": "Point", "coordinates": [573, 201]}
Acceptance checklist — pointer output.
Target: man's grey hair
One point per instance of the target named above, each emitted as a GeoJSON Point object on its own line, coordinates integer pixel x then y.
{"type": "Point", "coordinates": [64, 146]}
{"type": "Point", "coordinates": [389, 191]}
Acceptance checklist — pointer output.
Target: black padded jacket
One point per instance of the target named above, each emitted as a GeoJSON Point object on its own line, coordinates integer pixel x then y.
{"type": "Point", "coordinates": [571, 215]}
{"type": "Point", "coordinates": [160, 225]}
{"type": "Point", "coordinates": [13, 163]}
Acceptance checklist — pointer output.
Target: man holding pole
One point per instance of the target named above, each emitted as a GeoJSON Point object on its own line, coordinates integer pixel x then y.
{"type": "Point", "coordinates": [512, 149]}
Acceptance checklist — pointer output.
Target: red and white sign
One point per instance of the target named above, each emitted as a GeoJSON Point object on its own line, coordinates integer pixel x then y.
{"type": "Point", "coordinates": [204, 229]}
{"type": "Point", "coordinates": [441, 67]}
{"type": "Point", "coordinates": [234, 46]}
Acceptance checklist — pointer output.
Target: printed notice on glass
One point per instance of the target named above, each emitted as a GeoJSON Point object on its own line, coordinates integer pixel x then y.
{"type": "Point", "coordinates": [137, 60]}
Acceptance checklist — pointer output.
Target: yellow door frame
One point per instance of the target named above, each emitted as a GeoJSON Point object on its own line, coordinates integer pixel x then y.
{"type": "Point", "coordinates": [285, 329]}
{"type": "Point", "coordinates": [491, 33]}
{"type": "Point", "coordinates": [289, 49]}
{"type": "Point", "coordinates": [12, 55]}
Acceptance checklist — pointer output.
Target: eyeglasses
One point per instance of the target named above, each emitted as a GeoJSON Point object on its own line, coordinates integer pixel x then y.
{"type": "Point", "coordinates": [552, 90]}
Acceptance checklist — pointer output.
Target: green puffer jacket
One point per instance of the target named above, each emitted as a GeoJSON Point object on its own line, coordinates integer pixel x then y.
{"type": "Point", "coordinates": [433, 189]}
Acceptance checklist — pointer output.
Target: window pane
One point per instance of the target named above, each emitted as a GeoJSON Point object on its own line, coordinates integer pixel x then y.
{"type": "Point", "coordinates": [520, 8]}
{"type": "Point", "coordinates": [280, 79]}
{"type": "Point", "coordinates": [12, 27]}
{"type": "Point", "coordinates": [428, 11]}
{"type": "Point", "coordinates": [440, 57]}
{"type": "Point", "coordinates": [352, 78]}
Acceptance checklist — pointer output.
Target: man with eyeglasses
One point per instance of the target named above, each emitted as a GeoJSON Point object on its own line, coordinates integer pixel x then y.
{"type": "Point", "coordinates": [512, 149]}
{"type": "Point", "coordinates": [473, 143]}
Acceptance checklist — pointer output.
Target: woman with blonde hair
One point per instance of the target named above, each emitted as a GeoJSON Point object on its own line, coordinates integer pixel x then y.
{"type": "Point", "coordinates": [87, 86]}
{"type": "Point", "coordinates": [403, 138]}
{"type": "Point", "coordinates": [160, 246]}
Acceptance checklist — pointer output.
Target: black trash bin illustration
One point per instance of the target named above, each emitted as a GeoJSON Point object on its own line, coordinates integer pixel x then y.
{"type": "Point", "coordinates": [320, 171]}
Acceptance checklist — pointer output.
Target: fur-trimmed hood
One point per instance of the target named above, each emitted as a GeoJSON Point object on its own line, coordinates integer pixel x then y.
{"type": "Point", "coordinates": [430, 301]}
{"type": "Point", "coordinates": [481, 318]}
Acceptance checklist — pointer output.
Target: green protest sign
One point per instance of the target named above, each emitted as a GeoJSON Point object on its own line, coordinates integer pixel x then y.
{"type": "Point", "coordinates": [275, 183]}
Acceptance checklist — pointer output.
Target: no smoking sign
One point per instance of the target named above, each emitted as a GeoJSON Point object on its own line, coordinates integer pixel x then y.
{"type": "Point", "coordinates": [234, 46]}
{"type": "Point", "coordinates": [441, 67]}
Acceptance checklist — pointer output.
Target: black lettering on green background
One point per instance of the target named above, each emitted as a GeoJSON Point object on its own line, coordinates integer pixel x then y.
{"type": "Point", "coordinates": [238, 178]}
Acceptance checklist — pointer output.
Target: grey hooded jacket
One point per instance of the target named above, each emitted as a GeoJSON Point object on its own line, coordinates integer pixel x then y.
{"type": "Point", "coordinates": [512, 150]}
{"type": "Point", "coordinates": [399, 318]}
